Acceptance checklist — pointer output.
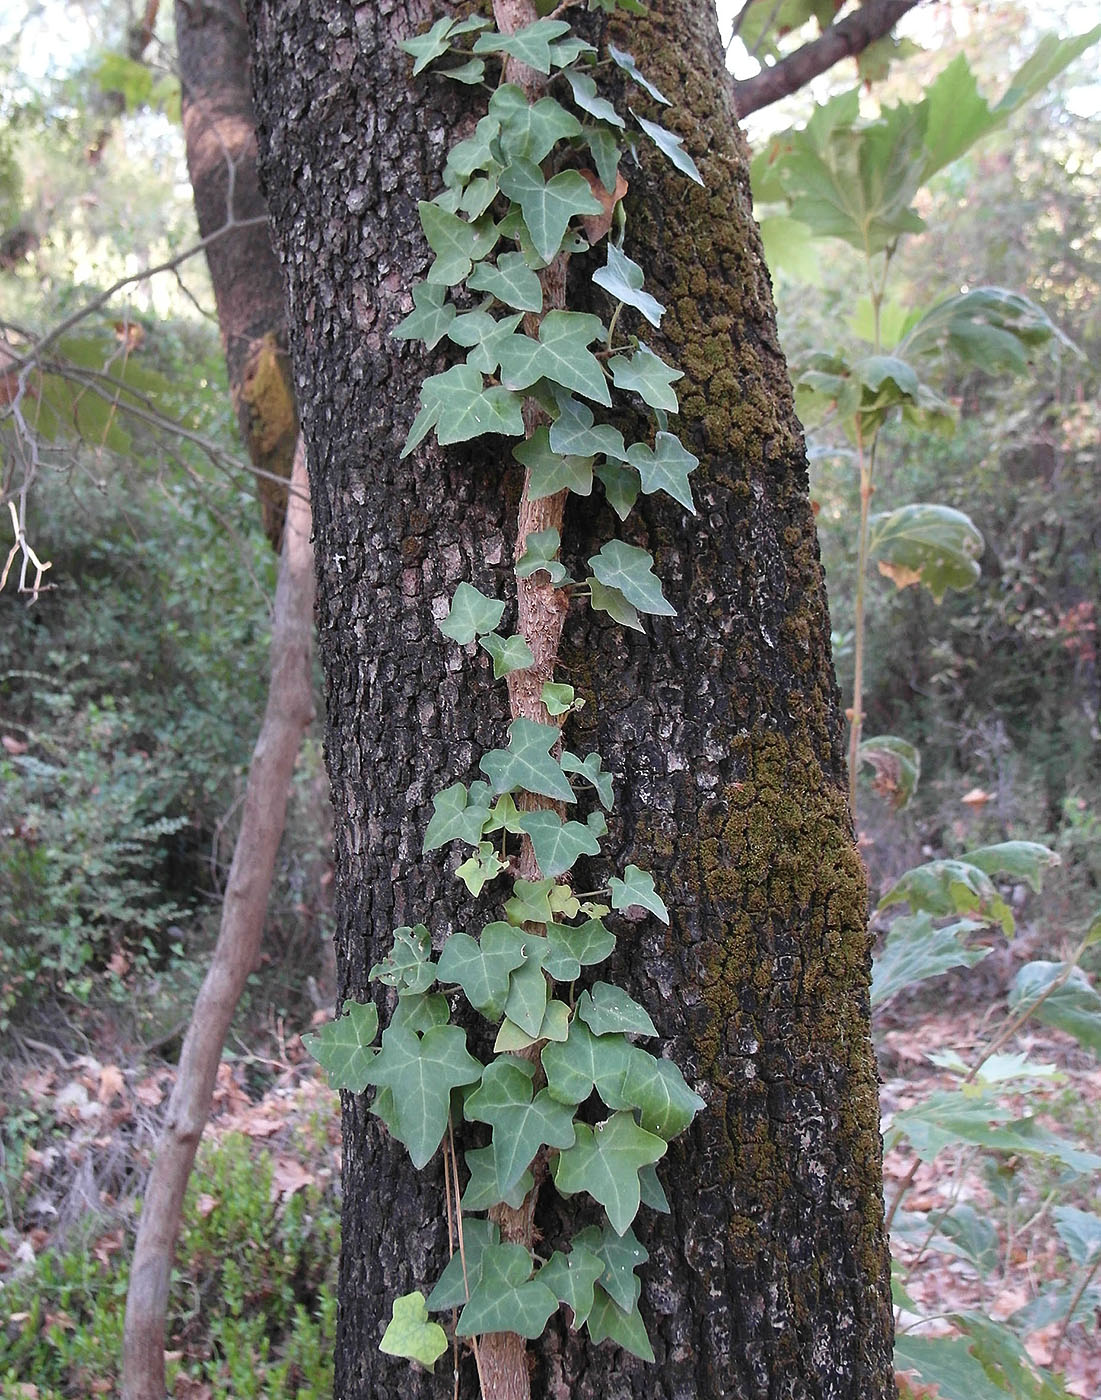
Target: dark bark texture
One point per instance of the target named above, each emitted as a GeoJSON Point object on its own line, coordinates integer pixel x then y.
{"type": "Point", "coordinates": [769, 1279]}
{"type": "Point", "coordinates": [219, 129]}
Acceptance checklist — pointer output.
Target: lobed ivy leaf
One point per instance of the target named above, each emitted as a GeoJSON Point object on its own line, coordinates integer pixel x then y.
{"type": "Point", "coordinates": [430, 318]}
{"type": "Point", "coordinates": [571, 949]}
{"type": "Point", "coordinates": [612, 601]}
{"type": "Point", "coordinates": [507, 1298]}
{"type": "Point", "coordinates": [480, 332]}
{"type": "Point", "coordinates": [504, 816]}
{"type": "Point", "coordinates": [630, 67]}
{"type": "Point", "coordinates": [481, 967]}
{"type": "Point", "coordinates": [530, 45]}
{"type": "Point", "coordinates": [456, 243]}
{"type": "Point", "coordinates": [573, 432]}
{"type": "Point", "coordinates": [510, 281]}
{"type": "Point", "coordinates": [527, 764]}
{"type": "Point", "coordinates": [526, 1004]}
{"type": "Point", "coordinates": [621, 487]}
{"type": "Point", "coordinates": [420, 1011]}
{"type": "Point", "coordinates": [605, 1161]}
{"type": "Point", "coordinates": [587, 98]}
{"type": "Point", "coordinates": [530, 131]}
{"type": "Point", "coordinates": [471, 613]}
{"type": "Point", "coordinates": [343, 1048]}
{"type": "Point", "coordinates": [560, 354]}
{"type": "Point", "coordinates": [547, 206]}
{"type": "Point", "coordinates": [470, 72]}
{"type": "Point", "coordinates": [410, 1334]}
{"type": "Point", "coordinates": [607, 1009]}
{"type": "Point", "coordinates": [408, 964]}
{"type": "Point", "coordinates": [455, 818]}
{"type": "Point", "coordinates": [622, 279]}
{"type": "Point", "coordinates": [631, 570]}
{"type": "Point", "coordinates": [451, 1286]}
{"type": "Point", "coordinates": [604, 146]}
{"type": "Point", "coordinates": [558, 844]}
{"type": "Point", "coordinates": [566, 51]}
{"type": "Point", "coordinates": [665, 467]}
{"type": "Point", "coordinates": [658, 1090]}
{"type": "Point", "coordinates": [637, 888]}
{"type": "Point", "coordinates": [550, 472]}
{"type": "Point", "coordinates": [509, 654]}
{"type": "Point", "coordinates": [484, 865]}
{"type": "Point", "coordinates": [540, 547]}
{"type": "Point", "coordinates": [521, 1124]}
{"type": "Point", "coordinates": [671, 146]}
{"type": "Point", "coordinates": [530, 902]}
{"type": "Point", "coordinates": [484, 1188]}
{"type": "Point", "coordinates": [571, 1277]}
{"type": "Point", "coordinates": [559, 698]}
{"type": "Point", "coordinates": [420, 1072]}
{"type": "Point", "coordinates": [609, 1322]}
{"type": "Point", "coordinates": [467, 409]}
{"type": "Point", "coordinates": [584, 1062]}
{"type": "Point", "coordinates": [649, 376]}
{"type": "Point", "coordinates": [431, 45]}
{"type": "Point", "coordinates": [591, 770]}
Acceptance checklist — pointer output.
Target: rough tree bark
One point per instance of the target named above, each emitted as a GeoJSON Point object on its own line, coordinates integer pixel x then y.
{"type": "Point", "coordinates": [770, 1278]}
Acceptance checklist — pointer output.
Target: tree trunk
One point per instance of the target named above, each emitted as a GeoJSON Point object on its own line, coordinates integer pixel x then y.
{"type": "Point", "coordinates": [220, 133]}
{"type": "Point", "coordinates": [770, 1278]}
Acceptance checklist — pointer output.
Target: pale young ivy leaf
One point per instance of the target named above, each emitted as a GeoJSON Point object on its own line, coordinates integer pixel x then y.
{"type": "Point", "coordinates": [612, 601]}
{"type": "Point", "coordinates": [430, 318]}
{"type": "Point", "coordinates": [627, 63]}
{"type": "Point", "coordinates": [571, 949]}
{"type": "Point", "coordinates": [665, 467]}
{"type": "Point", "coordinates": [451, 1286]}
{"type": "Point", "coordinates": [467, 409]}
{"type": "Point", "coordinates": [509, 654]}
{"type": "Point", "coordinates": [591, 769]}
{"type": "Point", "coordinates": [482, 967]}
{"type": "Point", "coordinates": [484, 1188]}
{"type": "Point", "coordinates": [484, 865]}
{"type": "Point", "coordinates": [527, 763]}
{"type": "Point", "coordinates": [510, 281]}
{"type": "Point", "coordinates": [456, 243]}
{"type": "Point", "coordinates": [504, 815]}
{"type": "Point", "coordinates": [608, 1322]}
{"type": "Point", "coordinates": [511, 1038]}
{"type": "Point", "coordinates": [408, 964]}
{"type": "Point", "coordinates": [547, 205]}
{"type": "Point", "coordinates": [558, 844]}
{"type": "Point", "coordinates": [670, 145]}
{"type": "Point", "coordinates": [571, 1277]}
{"type": "Point", "coordinates": [530, 902]}
{"type": "Point", "coordinates": [556, 1022]}
{"type": "Point", "coordinates": [343, 1047]}
{"type": "Point", "coordinates": [573, 432]}
{"type": "Point", "coordinates": [605, 1161]}
{"type": "Point", "coordinates": [630, 569]}
{"type": "Point", "coordinates": [471, 613]}
{"type": "Point", "coordinates": [507, 1298]}
{"type": "Point", "coordinates": [622, 279]}
{"type": "Point", "coordinates": [531, 44]}
{"type": "Point", "coordinates": [658, 1090]}
{"type": "Point", "coordinates": [608, 1010]}
{"type": "Point", "coordinates": [637, 888]}
{"type": "Point", "coordinates": [529, 131]}
{"type": "Point", "coordinates": [605, 149]}
{"type": "Point", "coordinates": [584, 1062]}
{"type": "Point", "coordinates": [420, 1072]}
{"type": "Point", "coordinates": [540, 547]}
{"type": "Point", "coordinates": [410, 1333]}
{"type": "Point", "coordinates": [647, 375]}
{"type": "Point", "coordinates": [455, 818]}
{"type": "Point", "coordinates": [521, 1124]}
{"type": "Point", "coordinates": [559, 698]}
{"type": "Point", "coordinates": [563, 901]}
{"type": "Point", "coordinates": [587, 98]}
{"type": "Point", "coordinates": [621, 486]}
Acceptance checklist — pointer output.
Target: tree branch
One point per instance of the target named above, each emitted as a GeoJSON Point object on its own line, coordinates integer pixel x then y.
{"type": "Point", "coordinates": [851, 36]}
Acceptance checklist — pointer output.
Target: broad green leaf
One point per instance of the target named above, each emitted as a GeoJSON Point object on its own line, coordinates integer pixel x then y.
{"type": "Point", "coordinates": [556, 1022]}
{"type": "Point", "coordinates": [455, 818]}
{"type": "Point", "coordinates": [608, 1010]}
{"type": "Point", "coordinates": [559, 698]}
{"type": "Point", "coordinates": [484, 865]}
{"type": "Point", "coordinates": [529, 131]}
{"type": "Point", "coordinates": [527, 764]}
{"type": "Point", "coordinates": [570, 1277]}
{"type": "Point", "coordinates": [631, 571]}
{"type": "Point", "coordinates": [558, 844]}
{"type": "Point", "coordinates": [530, 902]}
{"type": "Point", "coordinates": [608, 1322]}
{"type": "Point", "coordinates": [456, 243]}
{"type": "Point", "coordinates": [466, 409]}
{"type": "Point", "coordinates": [507, 1298]}
{"type": "Point", "coordinates": [420, 1072]}
{"type": "Point", "coordinates": [550, 472]}
{"type": "Point", "coordinates": [950, 1117]}
{"type": "Point", "coordinates": [916, 949]}
{"type": "Point", "coordinates": [947, 1363]}
{"type": "Point", "coordinates": [431, 317]}
{"type": "Point", "coordinates": [622, 279]}
{"type": "Point", "coordinates": [521, 1124]}
{"type": "Point", "coordinates": [658, 1090]}
{"type": "Point", "coordinates": [540, 548]}
{"type": "Point", "coordinates": [528, 991]}
{"type": "Point", "coordinates": [482, 967]}
{"type": "Point", "coordinates": [897, 766]}
{"type": "Point", "coordinates": [510, 281]}
{"type": "Point", "coordinates": [665, 467]}
{"type": "Point", "coordinates": [471, 613]}
{"type": "Point", "coordinates": [530, 45]}
{"type": "Point", "coordinates": [410, 1333]}
{"type": "Point", "coordinates": [408, 964]}
{"type": "Point", "coordinates": [343, 1047]}
{"type": "Point", "coordinates": [1074, 1007]}
{"type": "Point", "coordinates": [451, 1286]}
{"type": "Point", "coordinates": [630, 67]}
{"type": "Point", "coordinates": [591, 769]}
{"type": "Point", "coordinates": [1003, 1356]}
{"type": "Point", "coordinates": [936, 545]}
{"type": "Point", "coordinates": [509, 654]}
{"type": "Point", "coordinates": [637, 888]}
{"type": "Point", "coordinates": [583, 1062]}
{"type": "Point", "coordinates": [989, 328]}
{"type": "Point", "coordinates": [612, 601]}
{"type": "Point", "coordinates": [484, 1189]}
{"type": "Point", "coordinates": [605, 1161]}
{"type": "Point", "coordinates": [548, 205]}
{"type": "Point", "coordinates": [561, 355]}
{"type": "Point", "coordinates": [621, 487]}
{"type": "Point", "coordinates": [567, 50]}
{"type": "Point", "coordinates": [510, 1039]}
{"type": "Point", "coordinates": [944, 887]}
{"type": "Point", "coordinates": [789, 248]}
{"type": "Point", "coordinates": [573, 432]}
{"type": "Point", "coordinates": [1080, 1231]}
{"type": "Point", "coordinates": [649, 376]}
{"type": "Point", "coordinates": [1020, 860]}
{"type": "Point", "coordinates": [572, 948]}
{"type": "Point", "coordinates": [671, 146]}
{"type": "Point", "coordinates": [587, 98]}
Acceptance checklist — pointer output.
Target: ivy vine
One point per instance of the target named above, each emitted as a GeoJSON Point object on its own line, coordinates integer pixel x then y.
{"type": "Point", "coordinates": [538, 182]}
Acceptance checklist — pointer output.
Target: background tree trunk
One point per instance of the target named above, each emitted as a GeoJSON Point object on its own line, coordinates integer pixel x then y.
{"type": "Point", "coordinates": [771, 1276]}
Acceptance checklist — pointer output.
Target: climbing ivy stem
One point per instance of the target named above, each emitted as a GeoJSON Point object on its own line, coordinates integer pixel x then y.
{"type": "Point", "coordinates": [450, 1162]}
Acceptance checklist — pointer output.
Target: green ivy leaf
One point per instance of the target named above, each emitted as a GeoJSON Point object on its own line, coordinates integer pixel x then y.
{"type": "Point", "coordinates": [548, 205]}
{"type": "Point", "coordinates": [432, 45]}
{"type": "Point", "coordinates": [451, 1286]}
{"type": "Point", "coordinates": [526, 1005]}
{"type": "Point", "coordinates": [530, 45]}
{"type": "Point", "coordinates": [470, 615]}
{"type": "Point", "coordinates": [559, 698]}
{"type": "Point", "coordinates": [527, 764]}
{"type": "Point", "coordinates": [649, 376]}
{"type": "Point", "coordinates": [550, 472]}
{"type": "Point", "coordinates": [584, 1062]}
{"type": "Point", "coordinates": [558, 844]}
{"type": "Point", "coordinates": [571, 1277]}
{"type": "Point", "coordinates": [637, 888]}
{"type": "Point", "coordinates": [510, 281]}
{"type": "Point", "coordinates": [420, 1011]}
{"type": "Point", "coordinates": [652, 1192]}
{"type": "Point", "coordinates": [504, 816]}
{"type": "Point", "coordinates": [621, 1256]}
{"type": "Point", "coordinates": [410, 1334]}
{"type": "Point", "coordinates": [658, 1090]}
{"type": "Point", "coordinates": [608, 1322]}
{"type": "Point", "coordinates": [573, 433]}
{"type": "Point", "coordinates": [608, 1009]}
{"type": "Point", "coordinates": [510, 1038]}
{"type": "Point", "coordinates": [630, 67]}
{"type": "Point", "coordinates": [671, 146]}
{"type": "Point", "coordinates": [605, 1162]}
{"type": "Point", "coordinates": [472, 71]}
{"type": "Point", "coordinates": [591, 770]}
{"type": "Point", "coordinates": [484, 1189]}
{"type": "Point", "coordinates": [665, 467]}
{"type": "Point", "coordinates": [530, 131]}
{"type": "Point", "coordinates": [408, 964]}
{"type": "Point", "coordinates": [457, 244]}
{"type": "Point", "coordinates": [540, 547]}
{"type": "Point", "coordinates": [430, 318]}
{"type": "Point", "coordinates": [466, 409]}
{"type": "Point", "coordinates": [521, 1124]}
{"type": "Point", "coordinates": [455, 818]}
{"type": "Point", "coordinates": [612, 601]}
{"type": "Point", "coordinates": [420, 1072]}
{"type": "Point", "coordinates": [566, 51]}
{"type": "Point", "coordinates": [631, 571]}
{"type": "Point", "coordinates": [587, 98]}
{"type": "Point", "coordinates": [530, 902]}
{"type": "Point", "coordinates": [571, 949]}
{"type": "Point", "coordinates": [509, 654]}
{"type": "Point", "coordinates": [556, 1022]}
{"type": "Point", "coordinates": [563, 902]}
{"type": "Point", "coordinates": [622, 279]}
{"type": "Point", "coordinates": [561, 355]}
{"type": "Point", "coordinates": [482, 967]}
{"type": "Point", "coordinates": [480, 332]}
{"type": "Point", "coordinates": [343, 1047]}
{"type": "Point", "coordinates": [507, 1298]}
{"type": "Point", "coordinates": [484, 865]}
{"type": "Point", "coordinates": [604, 146]}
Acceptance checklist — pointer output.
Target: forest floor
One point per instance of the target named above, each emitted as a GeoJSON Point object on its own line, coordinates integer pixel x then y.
{"type": "Point", "coordinates": [85, 1126]}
